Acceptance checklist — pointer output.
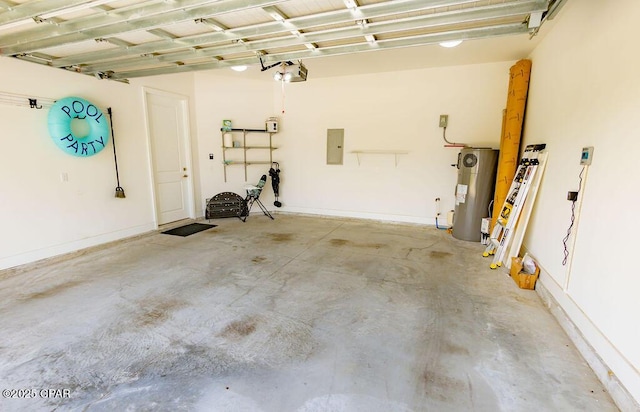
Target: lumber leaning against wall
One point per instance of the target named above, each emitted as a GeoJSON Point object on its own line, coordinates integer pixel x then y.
{"type": "Point", "coordinates": [511, 133]}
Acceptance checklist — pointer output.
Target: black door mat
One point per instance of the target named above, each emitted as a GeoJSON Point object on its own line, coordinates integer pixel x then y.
{"type": "Point", "coordinates": [188, 229]}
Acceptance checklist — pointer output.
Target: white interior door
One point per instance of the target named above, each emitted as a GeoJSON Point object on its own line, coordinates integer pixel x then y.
{"type": "Point", "coordinates": [168, 133]}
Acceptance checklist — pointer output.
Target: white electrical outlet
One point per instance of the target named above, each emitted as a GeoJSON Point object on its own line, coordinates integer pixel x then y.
{"type": "Point", "coordinates": [587, 155]}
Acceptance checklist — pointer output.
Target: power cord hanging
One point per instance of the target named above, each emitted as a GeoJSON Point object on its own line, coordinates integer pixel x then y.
{"type": "Point", "coordinates": [573, 218]}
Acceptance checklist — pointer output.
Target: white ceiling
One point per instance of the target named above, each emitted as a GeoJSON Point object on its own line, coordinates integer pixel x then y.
{"type": "Point", "coordinates": [123, 39]}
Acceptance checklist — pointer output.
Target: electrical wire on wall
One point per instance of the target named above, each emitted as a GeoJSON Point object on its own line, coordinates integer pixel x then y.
{"type": "Point", "coordinates": [450, 144]}
{"type": "Point", "coordinates": [573, 218]}
{"type": "Point", "coordinates": [282, 81]}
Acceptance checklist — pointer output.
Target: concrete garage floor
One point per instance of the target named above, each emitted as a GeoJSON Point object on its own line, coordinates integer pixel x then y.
{"type": "Point", "coordinates": [297, 314]}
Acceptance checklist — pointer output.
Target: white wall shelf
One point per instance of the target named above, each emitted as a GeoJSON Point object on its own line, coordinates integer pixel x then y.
{"type": "Point", "coordinates": [244, 147]}
{"type": "Point", "coordinates": [394, 153]}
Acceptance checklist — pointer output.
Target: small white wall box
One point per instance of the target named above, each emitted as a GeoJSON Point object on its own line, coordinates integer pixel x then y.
{"type": "Point", "coordinates": [484, 230]}
{"type": "Point", "coordinates": [587, 154]}
{"type": "Point", "coordinates": [484, 226]}
{"type": "Point", "coordinates": [272, 125]}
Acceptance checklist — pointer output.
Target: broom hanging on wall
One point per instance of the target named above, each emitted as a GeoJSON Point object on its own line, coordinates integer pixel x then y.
{"type": "Point", "coordinates": [119, 189]}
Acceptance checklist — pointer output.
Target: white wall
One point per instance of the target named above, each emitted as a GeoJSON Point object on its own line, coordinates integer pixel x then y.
{"type": "Point", "coordinates": [41, 216]}
{"type": "Point", "coordinates": [388, 111]}
{"type": "Point", "coordinates": [585, 91]}
{"type": "Point", "coordinates": [247, 103]}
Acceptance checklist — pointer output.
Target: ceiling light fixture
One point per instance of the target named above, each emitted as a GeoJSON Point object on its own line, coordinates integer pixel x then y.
{"type": "Point", "coordinates": [239, 68]}
{"type": "Point", "coordinates": [450, 43]}
{"type": "Point", "coordinates": [290, 72]}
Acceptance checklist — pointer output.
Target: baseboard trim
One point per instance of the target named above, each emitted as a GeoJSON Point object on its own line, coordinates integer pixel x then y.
{"type": "Point", "coordinates": [620, 395]}
{"type": "Point", "coordinates": [359, 215]}
{"type": "Point", "coordinates": [33, 259]}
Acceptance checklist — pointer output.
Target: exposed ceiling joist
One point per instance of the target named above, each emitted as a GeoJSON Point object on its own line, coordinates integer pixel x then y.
{"type": "Point", "coordinates": [470, 34]}
{"type": "Point", "coordinates": [463, 16]}
{"type": "Point", "coordinates": [6, 5]}
{"type": "Point", "coordinates": [119, 22]}
{"type": "Point", "coordinates": [18, 12]}
{"type": "Point", "coordinates": [274, 28]}
{"type": "Point", "coordinates": [118, 39]}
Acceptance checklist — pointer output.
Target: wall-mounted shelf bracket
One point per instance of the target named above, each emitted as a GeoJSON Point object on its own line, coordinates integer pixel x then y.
{"type": "Point", "coordinates": [245, 147]}
{"type": "Point", "coordinates": [395, 153]}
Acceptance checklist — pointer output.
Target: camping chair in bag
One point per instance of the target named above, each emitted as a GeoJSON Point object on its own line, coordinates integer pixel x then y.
{"type": "Point", "coordinates": [253, 196]}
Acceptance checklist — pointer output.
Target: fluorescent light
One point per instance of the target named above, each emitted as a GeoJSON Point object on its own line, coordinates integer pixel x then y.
{"type": "Point", "coordinates": [239, 68]}
{"type": "Point", "coordinates": [450, 43]}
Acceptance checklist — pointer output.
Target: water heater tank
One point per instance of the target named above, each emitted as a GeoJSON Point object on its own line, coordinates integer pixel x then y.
{"type": "Point", "coordinates": [474, 191]}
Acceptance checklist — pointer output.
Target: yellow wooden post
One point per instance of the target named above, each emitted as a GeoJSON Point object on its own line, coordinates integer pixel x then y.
{"type": "Point", "coordinates": [519, 75]}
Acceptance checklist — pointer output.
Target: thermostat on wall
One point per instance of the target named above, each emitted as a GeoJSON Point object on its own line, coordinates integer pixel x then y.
{"type": "Point", "coordinates": [587, 154]}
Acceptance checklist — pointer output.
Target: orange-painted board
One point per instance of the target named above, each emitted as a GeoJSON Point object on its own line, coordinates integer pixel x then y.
{"type": "Point", "coordinates": [519, 75]}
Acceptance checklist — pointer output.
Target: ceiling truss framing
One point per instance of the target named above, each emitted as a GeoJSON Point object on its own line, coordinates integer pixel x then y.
{"type": "Point", "coordinates": [123, 39]}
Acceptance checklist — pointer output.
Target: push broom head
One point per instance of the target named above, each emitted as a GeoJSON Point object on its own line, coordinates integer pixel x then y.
{"type": "Point", "coordinates": [120, 192]}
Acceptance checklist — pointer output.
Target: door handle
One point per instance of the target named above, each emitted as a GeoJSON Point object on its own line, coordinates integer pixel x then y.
{"type": "Point", "coordinates": [185, 175]}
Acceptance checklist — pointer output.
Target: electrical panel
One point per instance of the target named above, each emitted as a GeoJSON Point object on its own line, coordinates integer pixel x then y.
{"type": "Point", "coordinates": [335, 146]}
